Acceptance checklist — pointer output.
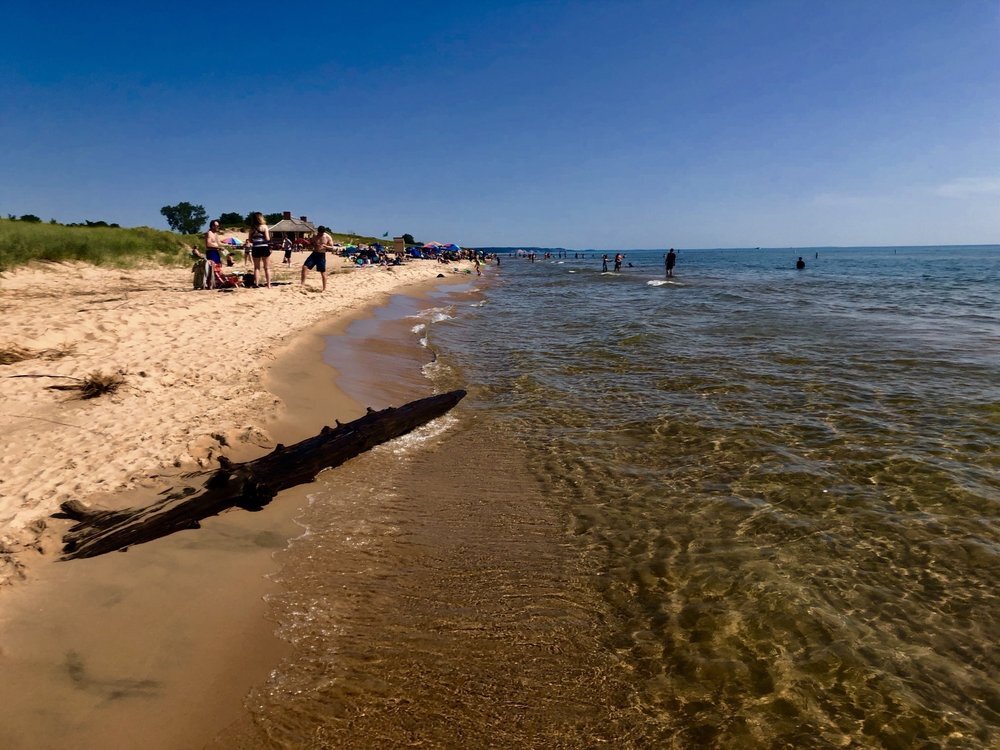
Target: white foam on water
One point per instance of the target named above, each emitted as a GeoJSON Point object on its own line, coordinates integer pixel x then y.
{"type": "Point", "coordinates": [420, 436]}
{"type": "Point", "coordinates": [438, 317]}
{"type": "Point", "coordinates": [432, 369]}
{"type": "Point", "coordinates": [423, 341]}
{"type": "Point", "coordinates": [430, 313]}
{"type": "Point", "coordinates": [419, 328]}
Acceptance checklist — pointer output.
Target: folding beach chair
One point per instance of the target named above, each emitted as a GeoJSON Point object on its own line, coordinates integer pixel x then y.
{"type": "Point", "coordinates": [225, 280]}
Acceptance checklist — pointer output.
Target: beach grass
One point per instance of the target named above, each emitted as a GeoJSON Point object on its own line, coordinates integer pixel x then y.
{"type": "Point", "coordinates": [354, 239]}
{"type": "Point", "coordinates": [95, 384]}
{"type": "Point", "coordinates": [22, 242]}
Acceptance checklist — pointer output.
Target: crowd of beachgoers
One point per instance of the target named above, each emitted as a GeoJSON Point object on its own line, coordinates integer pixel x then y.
{"type": "Point", "coordinates": [219, 254]}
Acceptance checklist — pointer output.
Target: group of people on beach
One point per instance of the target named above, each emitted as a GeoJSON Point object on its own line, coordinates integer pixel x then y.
{"type": "Point", "coordinates": [259, 240]}
{"type": "Point", "coordinates": [259, 245]}
{"type": "Point", "coordinates": [258, 250]}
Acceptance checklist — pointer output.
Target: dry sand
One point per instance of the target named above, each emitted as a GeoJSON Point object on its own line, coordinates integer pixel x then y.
{"type": "Point", "coordinates": [193, 364]}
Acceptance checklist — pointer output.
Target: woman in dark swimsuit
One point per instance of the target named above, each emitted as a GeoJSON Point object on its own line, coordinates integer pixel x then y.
{"type": "Point", "coordinates": [260, 249]}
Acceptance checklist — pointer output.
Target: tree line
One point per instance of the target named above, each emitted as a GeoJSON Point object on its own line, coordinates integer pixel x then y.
{"type": "Point", "coordinates": [32, 219]}
{"type": "Point", "coordinates": [185, 218]}
{"type": "Point", "coordinates": [189, 218]}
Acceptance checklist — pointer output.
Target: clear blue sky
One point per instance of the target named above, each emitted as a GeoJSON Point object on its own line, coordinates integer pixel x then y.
{"type": "Point", "coordinates": [575, 123]}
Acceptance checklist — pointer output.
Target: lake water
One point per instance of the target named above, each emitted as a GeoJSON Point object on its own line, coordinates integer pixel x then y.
{"type": "Point", "coordinates": [754, 507]}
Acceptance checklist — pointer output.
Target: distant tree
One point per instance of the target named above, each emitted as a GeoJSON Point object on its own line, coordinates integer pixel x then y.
{"type": "Point", "coordinates": [103, 224]}
{"type": "Point", "coordinates": [53, 221]}
{"type": "Point", "coordinates": [232, 219]}
{"type": "Point", "coordinates": [31, 219]}
{"type": "Point", "coordinates": [408, 239]}
{"type": "Point", "coordinates": [268, 218]}
{"type": "Point", "coordinates": [185, 217]}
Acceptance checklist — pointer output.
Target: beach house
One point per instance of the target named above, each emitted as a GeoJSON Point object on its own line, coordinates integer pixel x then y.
{"type": "Point", "coordinates": [294, 229]}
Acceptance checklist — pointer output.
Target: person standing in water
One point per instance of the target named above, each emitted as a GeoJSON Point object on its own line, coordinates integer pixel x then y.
{"type": "Point", "coordinates": [604, 263]}
{"type": "Point", "coordinates": [800, 264]}
{"type": "Point", "coordinates": [669, 261]}
{"type": "Point", "coordinates": [618, 261]}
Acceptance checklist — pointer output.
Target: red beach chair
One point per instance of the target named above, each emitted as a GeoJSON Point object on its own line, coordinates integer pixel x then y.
{"type": "Point", "coordinates": [225, 280]}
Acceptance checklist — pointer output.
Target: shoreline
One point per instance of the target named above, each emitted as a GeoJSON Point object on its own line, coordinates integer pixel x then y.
{"type": "Point", "coordinates": [194, 369]}
{"type": "Point", "coordinates": [229, 642]}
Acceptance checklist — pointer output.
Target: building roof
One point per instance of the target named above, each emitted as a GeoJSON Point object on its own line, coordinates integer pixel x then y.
{"type": "Point", "coordinates": [293, 225]}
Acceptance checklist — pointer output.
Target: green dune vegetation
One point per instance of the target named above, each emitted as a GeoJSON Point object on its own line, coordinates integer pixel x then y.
{"type": "Point", "coordinates": [22, 242]}
{"type": "Point", "coordinates": [356, 239]}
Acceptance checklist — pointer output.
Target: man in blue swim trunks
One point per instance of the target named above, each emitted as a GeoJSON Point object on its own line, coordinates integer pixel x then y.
{"type": "Point", "coordinates": [322, 244]}
{"type": "Point", "coordinates": [213, 243]}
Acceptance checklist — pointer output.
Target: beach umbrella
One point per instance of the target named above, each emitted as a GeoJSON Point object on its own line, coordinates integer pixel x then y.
{"type": "Point", "coordinates": [452, 247]}
{"type": "Point", "coordinates": [432, 246]}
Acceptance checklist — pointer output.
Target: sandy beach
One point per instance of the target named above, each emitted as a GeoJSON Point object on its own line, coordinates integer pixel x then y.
{"type": "Point", "coordinates": [193, 368]}
{"type": "Point", "coordinates": [110, 651]}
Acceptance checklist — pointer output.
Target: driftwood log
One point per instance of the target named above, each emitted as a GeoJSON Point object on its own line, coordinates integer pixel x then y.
{"type": "Point", "coordinates": [250, 485]}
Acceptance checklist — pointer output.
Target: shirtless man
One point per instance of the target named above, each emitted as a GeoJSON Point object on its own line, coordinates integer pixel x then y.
{"type": "Point", "coordinates": [322, 244]}
{"type": "Point", "coordinates": [213, 248]}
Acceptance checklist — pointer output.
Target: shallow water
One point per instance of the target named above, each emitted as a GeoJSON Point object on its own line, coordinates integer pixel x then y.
{"type": "Point", "coordinates": [754, 507]}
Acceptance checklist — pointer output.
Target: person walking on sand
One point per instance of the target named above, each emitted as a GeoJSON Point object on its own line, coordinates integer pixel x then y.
{"type": "Point", "coordinates": [260, 249]}
{"type": "Point", "coordinates": [286, 245]}
{"type": "Point", "coordinates": [322, 244]}
{"type": "Point", "coordinates": [669, 261]}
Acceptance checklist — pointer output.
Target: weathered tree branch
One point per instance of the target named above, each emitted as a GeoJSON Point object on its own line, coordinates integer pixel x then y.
{"type": "Point", "coordinates": [250, 485]}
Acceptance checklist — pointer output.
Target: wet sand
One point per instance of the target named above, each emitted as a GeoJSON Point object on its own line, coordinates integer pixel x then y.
{"type": "Point", "coordinates": [434, 601]}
